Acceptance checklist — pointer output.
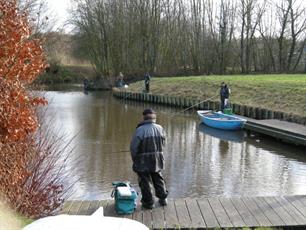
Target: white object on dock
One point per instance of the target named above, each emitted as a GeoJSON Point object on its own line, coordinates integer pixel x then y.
{"type": "Point", "coordinates": [96, 221]}
{"type": "Point", "coordinates": [124, 191]}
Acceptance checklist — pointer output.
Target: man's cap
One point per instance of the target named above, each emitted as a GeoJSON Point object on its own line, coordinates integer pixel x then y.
{"type": "Point", "coordinates": [148, 111]}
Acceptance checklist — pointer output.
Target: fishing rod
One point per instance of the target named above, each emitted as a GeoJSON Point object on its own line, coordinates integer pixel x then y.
{"type": "Point", "coordinates": [207, 99]}
{"type": "Point", "coordinates": [121, 151]}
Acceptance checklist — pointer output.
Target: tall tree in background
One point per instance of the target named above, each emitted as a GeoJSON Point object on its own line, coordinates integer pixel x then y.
{"type": "Point", "coordinates": [191, 37]}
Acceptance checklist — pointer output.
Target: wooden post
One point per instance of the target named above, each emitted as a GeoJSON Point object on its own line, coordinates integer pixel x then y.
{"type": "Point", "coordinates": [175, 101]}
{"type": "Point", "coordinates": [242, 110]}
{"type": "Point", "coordinates": [202, 106]}
{"type": "Point", "coordinates": [185, 103]}
{"type": "Point", "coordinates": [265, 114]}
{"type": "Point", "coordinates": [257, 113]}
{"type": "Point", "coordinates": [234, 108]}
{"type": "Point", "coordinates": [246, 111]}
{"type": "Point", "coordinates": [189, 102]}
{"type": "Point", "coordinates": [181, 102]}
{"type": "Point", "coordinates": [254, 112]}
{"type": "Point", "coordinates": [217, 105]}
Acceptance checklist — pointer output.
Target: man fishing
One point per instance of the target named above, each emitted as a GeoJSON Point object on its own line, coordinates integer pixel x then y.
{"type": "Point", "coordinates": [224, 95]}
{"type": "Point", "coordinates": [147, 154]}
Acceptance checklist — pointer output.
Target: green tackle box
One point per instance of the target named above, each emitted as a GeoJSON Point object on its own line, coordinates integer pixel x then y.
{"type": "Point", "coordinates": [228, 111]}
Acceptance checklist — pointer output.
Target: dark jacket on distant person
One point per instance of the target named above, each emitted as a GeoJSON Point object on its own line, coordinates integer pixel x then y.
{"type": "Point", "coordinates": [224, 92]}
{"type": "Point", "coordinates": [147, 78]}
{"type": "Point", "coordinates": [147, 147]}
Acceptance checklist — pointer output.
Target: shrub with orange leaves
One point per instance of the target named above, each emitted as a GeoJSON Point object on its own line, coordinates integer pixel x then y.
{"type": "Point", "coordinates": [29, 172]}
{"type": "Point", "coordinates": [21, 61]}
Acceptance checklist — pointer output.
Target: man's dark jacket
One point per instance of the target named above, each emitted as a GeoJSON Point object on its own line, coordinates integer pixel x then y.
{"type": "Point", "coordinates": [147, 147]}
{"type": "Point", "coordinates": [224, 92]}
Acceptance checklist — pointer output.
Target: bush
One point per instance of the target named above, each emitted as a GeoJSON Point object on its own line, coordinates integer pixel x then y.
{"type": "Point", "coordinates": [31, 159]}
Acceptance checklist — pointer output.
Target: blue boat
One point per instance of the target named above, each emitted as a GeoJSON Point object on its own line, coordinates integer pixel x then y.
{"type": "Point", "coordinates": [221, 121]}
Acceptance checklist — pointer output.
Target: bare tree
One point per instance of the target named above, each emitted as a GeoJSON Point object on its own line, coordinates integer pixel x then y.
{"type": "Point", "coordinates": [194, 36]}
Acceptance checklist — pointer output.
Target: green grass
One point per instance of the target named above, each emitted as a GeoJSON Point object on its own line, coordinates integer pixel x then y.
{"type": "Point", "coordinates": [279, 92]}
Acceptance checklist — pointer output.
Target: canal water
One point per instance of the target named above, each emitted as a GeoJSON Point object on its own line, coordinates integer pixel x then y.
{"type": "Point", "coordinates": [200, 161]}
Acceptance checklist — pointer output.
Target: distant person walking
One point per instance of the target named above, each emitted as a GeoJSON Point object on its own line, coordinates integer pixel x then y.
{"type": "Point", "coordinates": [147, 79]}
{"type": "Point", "coordinates": [85, 84]}
{"type": "Point", "coordinates": [147, 154]}
{"type": "Point", "coordinates": [224, 95]}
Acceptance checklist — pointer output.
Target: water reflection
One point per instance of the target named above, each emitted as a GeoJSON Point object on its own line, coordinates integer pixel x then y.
{"type": "Point", "coordinates": [199, 161]}
{"type": "Point", "coordinates": [225, 135]}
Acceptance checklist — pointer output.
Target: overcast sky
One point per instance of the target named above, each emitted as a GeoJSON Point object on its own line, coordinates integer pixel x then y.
{"type": "Point", "coordinates": [59, 9]}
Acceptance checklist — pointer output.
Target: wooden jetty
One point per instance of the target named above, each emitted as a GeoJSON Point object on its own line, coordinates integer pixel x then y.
{"type": "Point", "coordinates": [209, 213]}
{"type": "Point", "coordinates": [282, 130]}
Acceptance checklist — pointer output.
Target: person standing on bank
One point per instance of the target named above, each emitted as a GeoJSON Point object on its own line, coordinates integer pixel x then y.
{"type": "Point", "coordinates": [147, 79]}
{"type": "Point", "coordinates": [120, 80]}
{"type": "Point", "coordinates": [147, 154]}
{"type": "Point", "coordinates": [224, 95]}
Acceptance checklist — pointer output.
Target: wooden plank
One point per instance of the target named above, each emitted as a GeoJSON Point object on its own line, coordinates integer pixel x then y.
{"type": "Point", "coordinates": [269, 212]}
{"type": "Point", "coordinates": [158, 218]}
{"type": "Point", "coordinates": [137, 215]}
{"type": "Point", "coordinates": [75, 207]}
{"type": "Point", "coordinates": [197, 220]}
{"type": "Point", "coordinates": [110, 209]}
{"type": "Point", "coordinates": [128, 216]}
{"type": "Point", "coordinates": [171, 220]}
{"type": "Point", "coordinates": [295, 201]}
{"type": "Point", "coordinates": [208, 214]}
{"type": "Point", "coordinates": [83, 210]}
{"type": "Point", "coordinates": [280, 211]}
{"type": "Point", "coordinates": [244, 212]}
{"type": "Point", "coordinates": [103, 203]}
{"type": "Point", "coordinates": [66, 207]}
{"type": "Point", "coordinates": [256, 212]}
{"type": "Point", "coordinates": [182, 213]}
{"type": "Point", "coordinates": [299, 218]}
{"type": "Point", "coordinates": [232, 213]}
{"type": "Point", "coordinates": [220, 213]}
{"type": "Point", "coordinates": [147, 217]}
{"type": "Point", "coordinates": [302, 198]}
{"type": "Point", "coordinates": [94, 205]}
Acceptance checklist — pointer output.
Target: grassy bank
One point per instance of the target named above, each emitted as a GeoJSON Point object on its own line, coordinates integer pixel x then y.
{"type": "Point", "coordinates": [285, 93]}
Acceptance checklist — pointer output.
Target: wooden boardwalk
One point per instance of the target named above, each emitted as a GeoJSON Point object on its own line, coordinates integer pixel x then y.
{"type": "Point", "coordinates": [283, 130]}
{"type": "Point", "coordinates": [211, 213]}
